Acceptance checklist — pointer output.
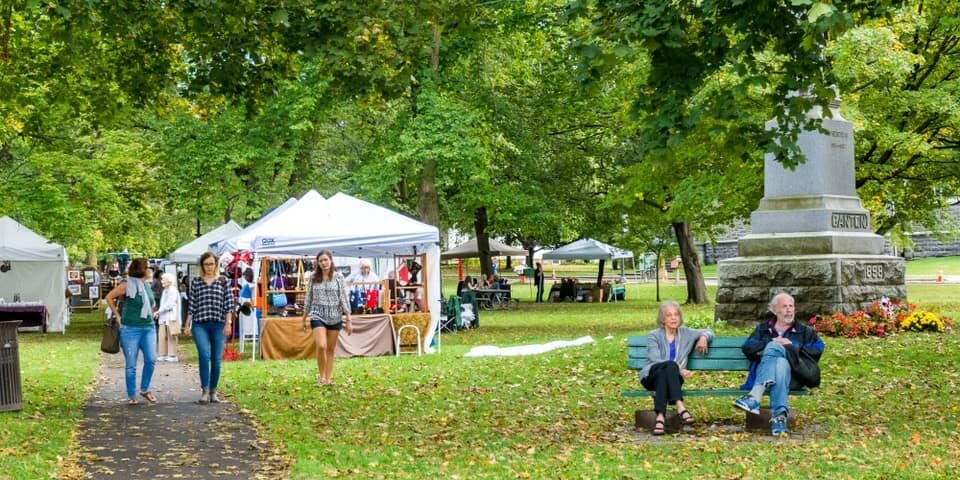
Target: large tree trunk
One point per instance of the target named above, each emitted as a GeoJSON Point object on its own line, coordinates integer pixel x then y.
{"type": "Point", "coordinates": [483, 241]}
{"type": "Point", "coordinates": [428, 203]}
{"type": "Point", "coordinates": [696, 288]}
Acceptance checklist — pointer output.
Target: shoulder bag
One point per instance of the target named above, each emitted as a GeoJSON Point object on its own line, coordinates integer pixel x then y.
{"type": "Point", "coordinates": [279, 299]}
{"type": "Point", "coordinates": [110, 341]}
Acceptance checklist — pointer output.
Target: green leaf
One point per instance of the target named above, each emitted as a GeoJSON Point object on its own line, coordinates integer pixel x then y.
{"type": "Point", "coordinates": [819, 10]}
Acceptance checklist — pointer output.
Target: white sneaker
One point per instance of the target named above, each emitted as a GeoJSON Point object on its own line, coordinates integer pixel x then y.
{"type": "Point", "coordinates": [162, 358]}
{"type": "Point", "coordinates": [172, 358]}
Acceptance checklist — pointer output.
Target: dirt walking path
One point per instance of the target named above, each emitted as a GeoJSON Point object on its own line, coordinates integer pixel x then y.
{"type": "Point", "coordinates": [175, 438]}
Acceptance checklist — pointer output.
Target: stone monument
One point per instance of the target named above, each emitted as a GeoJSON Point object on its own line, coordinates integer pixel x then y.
{"type": "Point", "coordinates": [810, 236]}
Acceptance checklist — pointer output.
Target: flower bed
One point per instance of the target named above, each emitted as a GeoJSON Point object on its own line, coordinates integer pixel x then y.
{"type": "Point", "coordinates": [884, 317]}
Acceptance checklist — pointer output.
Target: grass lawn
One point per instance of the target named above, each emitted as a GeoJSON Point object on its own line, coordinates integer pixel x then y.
{"type": "Point", "coordinates": [887, 407]}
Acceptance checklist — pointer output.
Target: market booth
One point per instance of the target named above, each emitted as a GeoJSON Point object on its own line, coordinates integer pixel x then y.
{"type": "Point", "coordinates": [33, 279]}
{"type": "Point", "coordinates": [586, 249]}
{"type": "Point", "coordinates": [189, 253]}
{"type": "Point", "coordinates": [286, 245]}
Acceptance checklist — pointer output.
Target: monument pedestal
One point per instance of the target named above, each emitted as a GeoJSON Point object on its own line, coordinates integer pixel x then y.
{"type": "Point", "coordinates": [810, 236]}
{"type": "Point", "coordinates": [818, 283]}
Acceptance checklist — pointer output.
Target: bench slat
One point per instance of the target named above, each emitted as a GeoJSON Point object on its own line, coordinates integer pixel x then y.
{"type": "Point", "coordinates": [735, 364]}
{"type": "Point", "coordinates": [725, 353]}
{"type": "Point", "coordinates": [641, 341]}
{"type": "Point", "coordinates": [708, 364]}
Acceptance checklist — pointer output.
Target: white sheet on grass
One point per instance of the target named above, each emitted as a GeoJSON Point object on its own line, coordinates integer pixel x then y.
{"type": "Point", "coordinates": [495, 351]}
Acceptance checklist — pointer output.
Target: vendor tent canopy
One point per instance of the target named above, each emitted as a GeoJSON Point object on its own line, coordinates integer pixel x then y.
{"type": "Point", "coordinates": [241, 240]}
{"type": "Point", "coordinates": [350, 227]}
{"type": "Point", "coordinates": [190, 253]}
{"type": "Point", "coordinates": [469, 249]}
{"type": "Point", "coordinates": [588, 249]}
{"type": "Point", "coordinates": [37, 271]}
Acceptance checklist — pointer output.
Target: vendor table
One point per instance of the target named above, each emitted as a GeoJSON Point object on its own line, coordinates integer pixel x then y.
{"type": "Point", "coordinates": [32, 315]}
{"type": "Point", "coordinates": [493, 298]}
{"type": "Point", "coordinates": [283, 337]}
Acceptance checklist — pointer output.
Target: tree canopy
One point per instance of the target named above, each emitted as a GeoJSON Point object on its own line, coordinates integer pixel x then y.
{"type": "Point", "coordinates": [134, 124]}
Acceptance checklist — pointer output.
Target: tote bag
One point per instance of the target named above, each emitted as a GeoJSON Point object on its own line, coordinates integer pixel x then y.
{"type": "Point", "coordinates": [279, 299]}
{"type": "Point", "coordinates": [110, 341]}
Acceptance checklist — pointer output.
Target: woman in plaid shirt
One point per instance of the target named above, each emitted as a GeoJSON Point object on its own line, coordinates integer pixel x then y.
{"type": "Point", "coordinates": [209, 320]}
{"type": "Point", "coordinates": [326, 303]}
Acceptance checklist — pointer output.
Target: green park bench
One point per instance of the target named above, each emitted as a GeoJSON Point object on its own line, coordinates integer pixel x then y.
{"type": "Point", "coordinates": [724, 355]}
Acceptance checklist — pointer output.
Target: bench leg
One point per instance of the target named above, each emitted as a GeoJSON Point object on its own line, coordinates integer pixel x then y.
{"type": "Point", "coordinates": [761, 421]}
{"type": "Point", "coordinates": [644, 420]}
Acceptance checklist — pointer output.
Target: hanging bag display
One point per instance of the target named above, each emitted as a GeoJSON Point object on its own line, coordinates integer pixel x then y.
{"type": "Point", "coordinates": [279, 299]}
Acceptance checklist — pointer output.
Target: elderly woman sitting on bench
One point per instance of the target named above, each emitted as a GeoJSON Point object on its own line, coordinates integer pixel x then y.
{"type": "Point", "coordinates": [668, 348]}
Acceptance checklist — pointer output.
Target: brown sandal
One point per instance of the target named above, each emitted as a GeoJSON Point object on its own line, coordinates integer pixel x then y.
{"type": "Point", "coordinates": [149, 396]}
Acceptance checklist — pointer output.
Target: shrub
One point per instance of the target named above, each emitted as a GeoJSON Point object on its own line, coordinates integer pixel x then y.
{"type": "Point", "coordinates": [924, 321]}
{"type": "Point", "coordinates": [702, 321]}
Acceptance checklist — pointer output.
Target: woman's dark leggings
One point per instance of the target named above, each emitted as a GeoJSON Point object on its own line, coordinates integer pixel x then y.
{"type": "Point", "coordinates": [664, 378]}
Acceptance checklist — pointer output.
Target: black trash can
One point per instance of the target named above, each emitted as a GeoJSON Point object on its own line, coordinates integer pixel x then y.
{"type": "Point", "coordinates": [11, 393]}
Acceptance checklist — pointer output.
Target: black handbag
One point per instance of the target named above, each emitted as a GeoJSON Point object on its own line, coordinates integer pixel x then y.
{"type": "Point", "coordinates": [110, 342]}
{"type": "Point", "coordinates": [804, 368]}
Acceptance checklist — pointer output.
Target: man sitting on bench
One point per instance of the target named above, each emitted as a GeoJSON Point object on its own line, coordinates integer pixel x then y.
{"type": "Point", "coordinates": [781, 351]}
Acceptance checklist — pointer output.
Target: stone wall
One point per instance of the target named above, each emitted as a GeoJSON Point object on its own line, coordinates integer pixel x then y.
{"type": "Point", "coordinates": [925, 245]}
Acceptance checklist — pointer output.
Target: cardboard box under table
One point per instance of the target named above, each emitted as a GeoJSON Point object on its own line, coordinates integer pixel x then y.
{"type": "Point", "coordinates": [284, 337]}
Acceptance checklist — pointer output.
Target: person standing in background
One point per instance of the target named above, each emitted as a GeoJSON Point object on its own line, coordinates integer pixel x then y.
{"type": "Point", "coordinates": [156, 286]}
{"type": "Point", "coordinates": [538, 280]}
{"type": "Point", "coordinates": [169, 320]}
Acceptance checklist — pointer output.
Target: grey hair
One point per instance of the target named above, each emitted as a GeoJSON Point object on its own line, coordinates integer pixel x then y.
{"type": "Point", "coordinates": [667, 304]}
{"type": "Point", "coordinates": [773, 301]}
{"type": "Point", "coordinates": [169, 277]}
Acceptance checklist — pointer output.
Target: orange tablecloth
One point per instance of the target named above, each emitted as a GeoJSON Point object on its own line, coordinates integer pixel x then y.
{"type": "Point", "coordinates": [283, 337]}
{"type": "Point", "coordinates": [421, 320]}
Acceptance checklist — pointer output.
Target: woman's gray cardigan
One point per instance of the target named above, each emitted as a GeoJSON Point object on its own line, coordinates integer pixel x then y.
{"type": "Point", "coordinates": [658, 348]}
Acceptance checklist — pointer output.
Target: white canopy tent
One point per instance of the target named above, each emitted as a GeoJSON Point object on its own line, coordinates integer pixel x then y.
{"type": "Point", "coordinates": [37, 271]}
{"type": "Point", "coordinates": [350, 227]}
{"type": "Point", "coordinates": [469, 249]}
{"type": "Point", "coordinates": [241, 240]}
{"type": "Point", "coordinates": [589, 249]}
{"type": "Point", "coordinates": [191, 252]}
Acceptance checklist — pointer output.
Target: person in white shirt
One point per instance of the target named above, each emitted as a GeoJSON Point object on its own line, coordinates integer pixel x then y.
{"type": "Point", "coordinates": [168, 319]}
{"type": "Point", "coordinates": [364, 276]}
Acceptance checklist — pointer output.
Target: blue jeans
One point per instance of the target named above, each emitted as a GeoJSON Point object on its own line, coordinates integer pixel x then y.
{"type": "Point", "coordinates": [209, 338]}
{"type": "Point", "coordinates": [775, 367]}
{"type": "Point", "coordinates": [133, 340]}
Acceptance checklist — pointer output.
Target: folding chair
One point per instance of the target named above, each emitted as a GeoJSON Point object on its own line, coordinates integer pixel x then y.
{"type": "Point", "coordinates": [249, 330]}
